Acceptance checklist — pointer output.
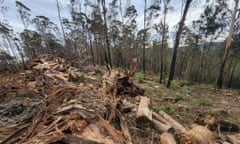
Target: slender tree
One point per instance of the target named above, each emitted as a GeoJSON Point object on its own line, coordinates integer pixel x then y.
{"type": "Point", "coordinates": [227, 47]}
{"type": "Point", "coordinates": [106, 34]}
{"type": "Point", "coordinates": [60, 20]}
{"type": "Point", "coordinates": [210, 23]}
{"type": "Point", "coordinates": [164, 32]}
{"type": "Point", "coordinates": [177, 40]}
{"type": "Point", "coordinates": [24, 12]}
{"type": "Point", "coordinates": [151, 12]}
{"type": "Point", "coordinates": [144, 38]}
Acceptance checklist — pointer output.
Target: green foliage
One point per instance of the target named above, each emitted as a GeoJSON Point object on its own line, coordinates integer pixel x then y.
{"type": "Point", "coordinates": [158, 91]}
{"type": "Point", "coordinates": [211, 86]}
{"type": "Point", "coordinates": [82, 77]}
{"type": "Point", "coordinates": [169, 109]}
{"type": "Point", "coordinates": [179, 97]}
{"type": "Point", "coordinates": [174, 84]}
{"type": "Point", "coordinates": [203, 101]}
{"type": "Point", "coordinates": [6, 60]}
{"type": "Point", "coordinates": [154, 107]}
{"type": "Point", "coordinates": [185, 82]}
{"type": "Point", "coordinates": [185, 90]}
{"type": "Point", "coordinates": [139, 76]}
{"type": "Point", "coordinates": [4, 56]}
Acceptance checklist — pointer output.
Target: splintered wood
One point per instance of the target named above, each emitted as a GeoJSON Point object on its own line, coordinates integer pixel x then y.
{"type": "Point", "coordinates": [115, 83]}
{"type": "Point", "coordinates": [197, 135]}
{"type": "Point", "coordinates": [65, 110]}
{"type": "Point", "coordinates": [53, 102]}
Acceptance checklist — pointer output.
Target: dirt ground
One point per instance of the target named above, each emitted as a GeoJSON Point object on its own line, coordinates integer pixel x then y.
{"type": "Point", "coordinates": [188, 101]}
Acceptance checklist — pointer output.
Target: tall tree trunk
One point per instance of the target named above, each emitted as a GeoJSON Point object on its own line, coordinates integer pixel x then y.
{"type": "Point", "coordinates": [201, 65]}
{"type": "Point", "coordinates": [163, 52]}
{"type": "Point", "coordinates": [60, 20]}
{"type": "Point", "coordinates": [11, 48]}
{"type": "Point", "coordinates": [182, 61]}
{"type": "Point", "coordinates": [227, 48]}
{"type": "Point", "coordinates": [144, 39]}
{"type": "Point", "coordinates": [108, 56]}
{"type": "Point", "coordinates": [91, 48]}
{"type": "Point", "coordinates": [231, 75]}
{"type": "Point", "coordinates": [21, 54]}
{"type": "Point", "coordinates": [176, 44]}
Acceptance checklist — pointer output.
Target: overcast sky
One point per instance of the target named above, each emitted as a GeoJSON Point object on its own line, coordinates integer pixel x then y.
{"type": "Point", "coordinates": [48, 8]}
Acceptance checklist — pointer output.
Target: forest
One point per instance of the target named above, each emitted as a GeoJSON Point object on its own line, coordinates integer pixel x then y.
{"type": "Point", "coordinates": [126, 48]}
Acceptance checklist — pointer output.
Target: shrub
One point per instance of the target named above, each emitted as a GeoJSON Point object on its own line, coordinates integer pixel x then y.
{"type": "Point", "coordinates": [203, 101]}
{"type": "Point", "coordinates": [154, 107]}
{"type": "Point", "coordinates": [169, 109]}
{"type": "Point", "coordinates": [173, 84]}
{"type": "Point", "coordinates": [82, 78]}
{"type": "Point", "coordinates": [138, 76]}
{"type": "Point", "coordinates": [179, 97]}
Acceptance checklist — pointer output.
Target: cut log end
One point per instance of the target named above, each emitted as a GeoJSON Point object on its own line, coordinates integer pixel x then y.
{"type": "Point", "coordinates": [167, 138]}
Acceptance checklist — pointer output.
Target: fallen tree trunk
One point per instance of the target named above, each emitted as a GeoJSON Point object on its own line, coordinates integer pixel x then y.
{"type": "Point", "coordinates": [161, 119]}
{"type": "Point", "coordinates": [161, 126]}
{"type": "Point", "coordinates": [144, 117]}
{"type": "Point", "coordinates": [176, 126]}
{"type": "Point", "coordinates": [143, 111]}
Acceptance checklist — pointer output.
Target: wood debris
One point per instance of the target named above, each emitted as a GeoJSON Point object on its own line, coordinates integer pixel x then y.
{"type": "Point", "coordinates": [53, 102]}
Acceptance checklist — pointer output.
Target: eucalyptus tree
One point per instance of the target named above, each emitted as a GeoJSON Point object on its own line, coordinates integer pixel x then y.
{"type": "Point", "coordinates": [162, 29]}
{"type": "Point", "coordinates": [176, 44]}
{"type": "Point", "coordinates": [9, 54]}
{"type": "Point", "coordinates": [45, 27]}
{"type": "Point", "coordinates": [209, 25]}
{"type": "Point", "coordinates": [150, 13]}
{"type": "Point", "coordinates": [34, 40]}
{"type": "Point", "coordinates": [7, 39]}
{"type": "Point", "coordinates": [19, 47]}
{"type": "Point", "coordinates": [233, 58]}
{"type": "Point", "coordinates": [80, 34]}
{"type": "Point", "coordinates": [188, 55]}
{"type": "Point", "coordinates": [129, 26]}
{"type": "Point", "coordinates": [228, 44]}
{"type": "Point", "coordinates": [97, 31]}
{"type": "Point", "coordinates": [61, 21]}
{"type": "Point", "coordinates": [104, 11]}
{"type": "Point", "coordinates": [25, 14]}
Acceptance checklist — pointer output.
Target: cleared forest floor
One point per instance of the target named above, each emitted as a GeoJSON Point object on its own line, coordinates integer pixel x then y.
{"type": "Point", "coordinates": [186, 102]}
{"type": "Point", "coordinates": [37, 103]}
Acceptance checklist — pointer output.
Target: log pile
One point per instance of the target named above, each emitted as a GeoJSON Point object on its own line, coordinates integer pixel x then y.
{"type": "Point", "coordinates": [53, 102]}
